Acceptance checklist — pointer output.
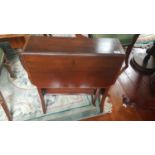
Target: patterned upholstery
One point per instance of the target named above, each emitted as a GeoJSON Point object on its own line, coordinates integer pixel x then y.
{"type": "Point", "coordinates": [8, 50]}
{"type": "Point", "coordinates": [145, 40]}
{"type": "Point", "coordinates": [1, 56]}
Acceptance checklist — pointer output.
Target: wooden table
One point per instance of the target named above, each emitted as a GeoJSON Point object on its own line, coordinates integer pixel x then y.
{"type": "Point", "coordinates": [73, 66]}
{"type": "Point", "coordinates": [19, 40]}
{"type": "Point", "coordinates": [16, 40]}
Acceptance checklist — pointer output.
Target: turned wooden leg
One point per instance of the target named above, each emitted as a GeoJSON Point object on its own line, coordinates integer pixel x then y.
{"type": "Point", "coordinates": [127, 59]}
{"type": "Point", "coordinates": [92, 99]}
{"type": "Point", "coordinates": [5, 108]}
{"type": "Point", "coordinates": [43, 104]}
{"type": "Point", "coordinates": [97, 94]}
{"type": "Point", "coordinates": [103, 100]}
{"type": "Point", "coordinates": [128, 51]}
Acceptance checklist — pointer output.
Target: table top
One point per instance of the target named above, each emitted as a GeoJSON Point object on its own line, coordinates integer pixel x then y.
{"type": "Point", "coordinates": [15, 40]}
{"type": "Point", "coordinates": [72, 62]}
{"type": "Point", "coordinates": [2, 36]}
{"type": "Point", "coordinates": [72, 46]}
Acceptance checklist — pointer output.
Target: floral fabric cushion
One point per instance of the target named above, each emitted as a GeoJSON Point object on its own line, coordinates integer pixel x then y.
{"type": "Point", "coordinates": [145, 40]}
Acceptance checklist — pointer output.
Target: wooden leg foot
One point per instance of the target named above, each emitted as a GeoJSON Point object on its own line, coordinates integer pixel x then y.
{"type": "Point", "coordinates": [5, 108]}
{"type": "Point", "coordinates": [43, 104]}
{"type": "Point", "coordinates": [97, 94]}
{"type": "Point", "coordinates": [103, 100]}
{"type": "Point", "coordinates": [92, 99]}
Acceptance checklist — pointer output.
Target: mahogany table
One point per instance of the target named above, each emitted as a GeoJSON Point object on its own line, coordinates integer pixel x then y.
{"type": "Point", "coordinates": [15, 40]}
{"type": "Point", "coordinates": [72, 66]}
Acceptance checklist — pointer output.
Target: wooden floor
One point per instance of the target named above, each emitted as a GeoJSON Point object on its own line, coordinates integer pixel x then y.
{"type": "Point", "coordinates": [135, 86]}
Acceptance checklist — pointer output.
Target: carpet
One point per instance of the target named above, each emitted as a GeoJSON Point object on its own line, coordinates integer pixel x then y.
{"type": "Point", "coordinates": [24, 103]}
